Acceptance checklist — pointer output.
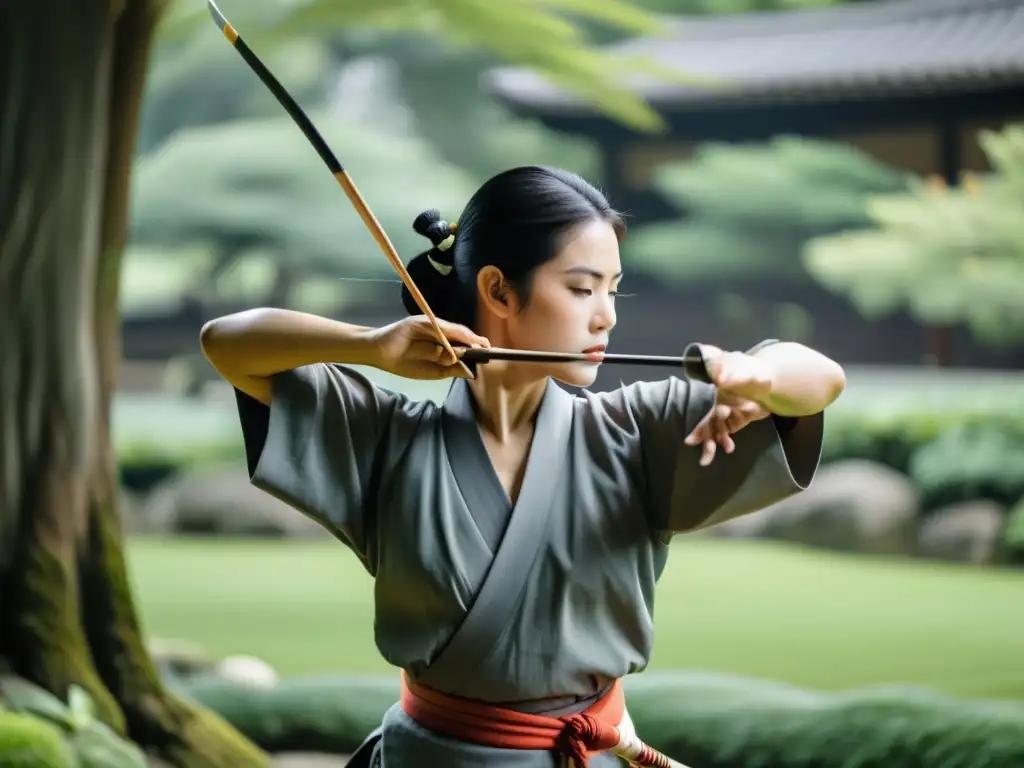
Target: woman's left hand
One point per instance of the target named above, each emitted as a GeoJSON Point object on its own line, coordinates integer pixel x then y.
{"type": "Point", "coordinates": [740, 381]}
{"type": "Point", "coordinates": [729, 415]}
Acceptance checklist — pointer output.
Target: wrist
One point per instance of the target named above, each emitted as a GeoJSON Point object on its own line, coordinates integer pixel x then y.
{"type": "Point", "coordinates": [364, 346]}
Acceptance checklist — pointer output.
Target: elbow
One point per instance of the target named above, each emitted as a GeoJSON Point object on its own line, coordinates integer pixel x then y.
{"type": "Point", "coordinates": [229, 331]}
{"type": "Point", "coordinates": [835, 382]}
{"type": "Point", "coordinates": [220, 338]}
{"type": "Point", "coordinates": [210, 338]}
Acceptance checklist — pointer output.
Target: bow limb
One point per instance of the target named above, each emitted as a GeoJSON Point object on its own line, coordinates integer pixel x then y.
{"type": "Point", "coordinates": [331, 161]}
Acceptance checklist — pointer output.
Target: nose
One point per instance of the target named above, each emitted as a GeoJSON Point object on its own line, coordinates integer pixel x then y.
{"type": "Point", "coordinates": [604, 318]}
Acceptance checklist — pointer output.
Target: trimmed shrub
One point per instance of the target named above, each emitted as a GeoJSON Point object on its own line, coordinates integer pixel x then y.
{"type": "Point", "coordinates": [965, 463]}
{"type": "Point", "coordinates": [310, 714]}
{"type": "Point", "coordinates": [729, 722]}
{"type": "Point", "coordinates": [1013, 533]}
{"type": "Point", "coordinates": [700, 719]}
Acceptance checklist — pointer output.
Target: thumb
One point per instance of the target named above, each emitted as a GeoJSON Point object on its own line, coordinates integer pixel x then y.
{"type": "Point", "coordinates": [463, 335]}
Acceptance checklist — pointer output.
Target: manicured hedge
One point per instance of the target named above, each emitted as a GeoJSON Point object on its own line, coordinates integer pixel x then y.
{"type": "Point", "coordinates": [703, 720]}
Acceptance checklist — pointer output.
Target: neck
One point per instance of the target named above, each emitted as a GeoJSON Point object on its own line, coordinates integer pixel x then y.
{"type": "Point", "coordinates": [507, 397]}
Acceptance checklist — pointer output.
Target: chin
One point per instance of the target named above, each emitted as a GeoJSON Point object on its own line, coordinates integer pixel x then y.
{"type": "Point", "coordinates": [576, 374]}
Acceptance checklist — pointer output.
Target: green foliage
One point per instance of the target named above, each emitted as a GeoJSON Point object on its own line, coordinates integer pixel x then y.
{"type": "Point", "coordinates": [255, 192]}
{"type": "Point", "coordinates": [1013, 534]}
{"type": "Point", "coordinates": [734, 723]}
{"type": "Point", "coordinates": [700, 719]}
{"type": "Point", "coordinates": [300, 714]}
{"type": "Point", "coordinates": [959, 435]}
{"type": "Point", "coordinates": [90, 743]}
{"type": "Point", "coordinates": [20, 695]}
{"type": "Point", "coordinates": [530, 33]}
{"type": "Point", "coordinates": [451, 108]}
{"type": "Point", "coordinates": [198, 81]}
{"type": "Point", "coordinates": [721, 7]}
{"type": "Point", "coordinates": [889, 422]}
{"type": "Point", "coordinates": [971, 462]}
{"type": "Point", "coordinates": [750, 208]}
{"type": "Point", "coordinates": [27, 741]}
{"type": "Point", "coordinates": [948, 256]}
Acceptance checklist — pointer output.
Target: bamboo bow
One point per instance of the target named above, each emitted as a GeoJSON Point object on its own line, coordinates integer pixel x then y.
{"type": "Point", "coordinates": [692, 360]}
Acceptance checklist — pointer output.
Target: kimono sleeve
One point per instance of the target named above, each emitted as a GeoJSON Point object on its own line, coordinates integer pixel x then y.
{"type": "Point", "coordinates": [775, 458]}
{"type": "Point", "coordinates": [319, 446]}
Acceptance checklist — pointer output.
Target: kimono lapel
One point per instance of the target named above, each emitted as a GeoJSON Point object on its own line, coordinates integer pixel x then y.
{"type": "Point", "coordinates": [518, 541]}
{"type": "Point", "coordinates": [479, 484]}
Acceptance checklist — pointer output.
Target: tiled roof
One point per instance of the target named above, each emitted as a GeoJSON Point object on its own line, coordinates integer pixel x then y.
{"type": "Point", "coordinates": [880, 48]}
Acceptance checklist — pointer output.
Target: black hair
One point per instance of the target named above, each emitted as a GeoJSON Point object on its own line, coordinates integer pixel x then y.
{"type": "Point", "coordinates": [516, 222]}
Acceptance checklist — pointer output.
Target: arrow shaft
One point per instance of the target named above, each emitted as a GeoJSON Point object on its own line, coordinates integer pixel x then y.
{"type": "Point", "coordinates": [536, 356]}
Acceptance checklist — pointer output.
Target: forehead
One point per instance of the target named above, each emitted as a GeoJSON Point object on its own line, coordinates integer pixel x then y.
{"type": "Point", "coordinates": [592, 244]}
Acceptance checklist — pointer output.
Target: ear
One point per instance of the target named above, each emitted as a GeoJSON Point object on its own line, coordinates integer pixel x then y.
{"type": "Point", "coordinates": [494, 291]}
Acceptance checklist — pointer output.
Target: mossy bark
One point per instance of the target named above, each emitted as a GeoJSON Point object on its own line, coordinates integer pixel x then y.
{"type": "Point", "coordinates": [71, 81]}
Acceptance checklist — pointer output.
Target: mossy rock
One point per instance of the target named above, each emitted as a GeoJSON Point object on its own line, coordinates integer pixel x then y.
{"type": "Point", "coordinates": [27, 741]}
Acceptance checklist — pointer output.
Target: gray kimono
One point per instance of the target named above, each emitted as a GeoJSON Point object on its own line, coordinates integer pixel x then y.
{"type": "Point", "coordinates": [539, 605]}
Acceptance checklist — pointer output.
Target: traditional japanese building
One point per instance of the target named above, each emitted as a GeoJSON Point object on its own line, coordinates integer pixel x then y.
{"type": "Point", "coordinates": [910, 82]}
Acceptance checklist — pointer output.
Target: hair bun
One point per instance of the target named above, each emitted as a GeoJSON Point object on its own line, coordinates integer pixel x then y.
{"type": "Point", "coordinates": [437, 230]}
{"type": "Point", "coordinates": [425, 219]}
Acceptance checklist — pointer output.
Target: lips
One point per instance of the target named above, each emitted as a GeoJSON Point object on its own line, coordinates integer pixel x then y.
{"type": "Point", "coordinates": [594, 350]}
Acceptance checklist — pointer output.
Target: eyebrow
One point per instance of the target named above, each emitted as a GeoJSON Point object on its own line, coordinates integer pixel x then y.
{"type": "Point", "coordinates": [588, 271]}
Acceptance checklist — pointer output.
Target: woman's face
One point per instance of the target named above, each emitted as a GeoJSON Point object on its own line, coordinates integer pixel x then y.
{"type": "Point", "coordinates": [571, 305]}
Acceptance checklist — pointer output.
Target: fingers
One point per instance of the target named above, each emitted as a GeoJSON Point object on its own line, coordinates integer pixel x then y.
{"type": "Point", "coordinates": [707, 455]}
{"type": "Point", "coordinates": [714, 431]}
{"type": "Point", "coordinates": [460, 334]}
{"type": "Point", "coordinates": [432, 352]}
{"type": "Point", "coordinates": [703, 430]}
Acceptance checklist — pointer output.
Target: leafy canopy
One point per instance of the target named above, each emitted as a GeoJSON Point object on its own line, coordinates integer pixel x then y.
{"type": "Point", "coordinates": [748, 209]}
{"type": "Point", "coordinates": [539, 34]}
{"type": "Point", "coordinates": [949, 256]}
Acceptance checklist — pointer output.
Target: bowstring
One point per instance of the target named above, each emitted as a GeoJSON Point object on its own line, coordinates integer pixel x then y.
{"type": "Point", "coordinates": [393, 280]}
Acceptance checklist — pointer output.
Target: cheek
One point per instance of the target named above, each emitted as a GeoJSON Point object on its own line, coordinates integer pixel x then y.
{"type": "Point", "coordinates": [547, 320]}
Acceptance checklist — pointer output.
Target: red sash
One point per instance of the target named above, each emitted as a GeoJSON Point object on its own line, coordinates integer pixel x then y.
{"type": "Point", "coordinates": [577, 736]}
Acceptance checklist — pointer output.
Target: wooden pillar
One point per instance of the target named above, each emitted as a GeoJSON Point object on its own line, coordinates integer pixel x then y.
{"type": "Point", "coordinates": [950, 164]}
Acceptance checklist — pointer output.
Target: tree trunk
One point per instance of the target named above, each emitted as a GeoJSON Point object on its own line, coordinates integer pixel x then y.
{"type": "Point", "coordinates": [71, 77]}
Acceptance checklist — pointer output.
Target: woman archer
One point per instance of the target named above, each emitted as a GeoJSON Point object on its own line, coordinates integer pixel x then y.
{"type": "Point", "coordinates": [515, 532]}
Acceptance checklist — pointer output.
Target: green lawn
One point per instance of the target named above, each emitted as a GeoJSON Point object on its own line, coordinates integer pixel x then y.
{"type": "Point", "coordinates": [810, 618]}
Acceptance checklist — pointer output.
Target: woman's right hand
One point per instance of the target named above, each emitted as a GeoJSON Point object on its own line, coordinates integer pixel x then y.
{"type": "Point", "coordinates": [410, 348]}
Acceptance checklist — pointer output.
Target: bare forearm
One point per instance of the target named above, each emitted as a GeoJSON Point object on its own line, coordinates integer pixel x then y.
{"type": "Point", "coordinates": [804, 382]}
{"type": "Point", "coordinates": [262, 342]}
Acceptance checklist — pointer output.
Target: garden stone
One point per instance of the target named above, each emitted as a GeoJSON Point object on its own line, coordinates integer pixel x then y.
{"type": "Point", "coordinates": [966, 532]}
{"type": "Point", "coordinates": [852, 506]}
{"type": "Point", "coordinates": [223, 501]}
